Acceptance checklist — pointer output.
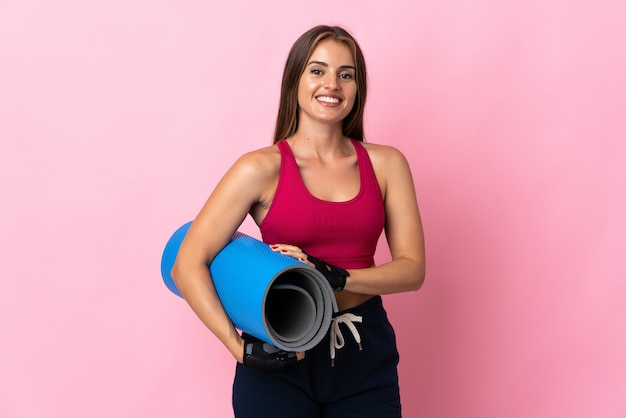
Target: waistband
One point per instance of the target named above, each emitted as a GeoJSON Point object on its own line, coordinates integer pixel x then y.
{"type": "Point", "coordinates": [371, 305]}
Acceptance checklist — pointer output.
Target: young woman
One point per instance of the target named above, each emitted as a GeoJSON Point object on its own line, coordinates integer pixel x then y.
{"type": "Point", "coordinates": [323, 196]}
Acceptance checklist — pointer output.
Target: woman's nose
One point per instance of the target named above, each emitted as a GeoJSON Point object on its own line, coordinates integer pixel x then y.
{"type": "Point", "coordinates": [330, 81]}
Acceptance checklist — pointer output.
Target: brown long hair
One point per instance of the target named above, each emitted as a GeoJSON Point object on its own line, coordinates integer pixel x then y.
{"type": "Point", "coordinates": [287, 120]}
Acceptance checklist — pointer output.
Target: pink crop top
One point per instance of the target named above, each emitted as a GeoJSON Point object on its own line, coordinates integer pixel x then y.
{"type": "Point", "coordinates": [341, 233]}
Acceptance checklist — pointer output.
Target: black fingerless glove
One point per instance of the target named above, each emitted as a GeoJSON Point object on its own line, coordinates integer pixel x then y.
{"type": "Point", "coordinates": [336, 276]}
{"type": "Point", "coordinates": [261, 355]}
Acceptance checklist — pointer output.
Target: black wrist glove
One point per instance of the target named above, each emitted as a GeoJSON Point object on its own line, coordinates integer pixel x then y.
{"type": "Point", "coordinates": [336, 276]}
{"type": "Point", "coordinates": [261, 355]}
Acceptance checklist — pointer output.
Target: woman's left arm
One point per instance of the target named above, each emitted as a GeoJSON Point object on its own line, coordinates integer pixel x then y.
{"type": "Point", "coordinates": [403, 229]}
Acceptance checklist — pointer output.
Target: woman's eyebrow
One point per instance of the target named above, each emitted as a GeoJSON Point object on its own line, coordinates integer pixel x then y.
{"type": "Point", "coordinates": [323, 64]}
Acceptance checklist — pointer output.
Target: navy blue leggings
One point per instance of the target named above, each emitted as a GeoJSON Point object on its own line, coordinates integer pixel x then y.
{"type": "Point", "coordinates": [362, 383]}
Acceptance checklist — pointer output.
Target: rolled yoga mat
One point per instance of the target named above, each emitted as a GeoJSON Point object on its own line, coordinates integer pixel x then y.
{"type": "Point", "coordinates": [269, 295]}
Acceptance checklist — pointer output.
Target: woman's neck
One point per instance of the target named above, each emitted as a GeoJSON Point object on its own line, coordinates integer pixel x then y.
{"type": "Point", "coordinates": [322, 147]}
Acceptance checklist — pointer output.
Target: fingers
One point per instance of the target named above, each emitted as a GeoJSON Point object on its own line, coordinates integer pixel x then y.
{"type": "Point", "coordinates": [291, 251]}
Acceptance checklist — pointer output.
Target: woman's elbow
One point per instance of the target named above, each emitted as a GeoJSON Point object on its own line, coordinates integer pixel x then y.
{"type": "Point", "coordinates": [187, 271]}
{"type": "Point", "coordinates": [178, 273]}
{"type": "Point", "coordinates": [417, 276]}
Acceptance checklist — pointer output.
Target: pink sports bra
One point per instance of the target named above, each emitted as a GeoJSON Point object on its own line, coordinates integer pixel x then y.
{"type": "Point", "coordinates": [341, 233]}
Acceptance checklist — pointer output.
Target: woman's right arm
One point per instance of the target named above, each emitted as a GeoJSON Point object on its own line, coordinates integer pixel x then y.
{"type": "Point", "coordinates": [224, 211]}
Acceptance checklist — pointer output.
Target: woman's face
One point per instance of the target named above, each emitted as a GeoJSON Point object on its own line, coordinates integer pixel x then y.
{"type": "Point", "coordinates": [327, 87]}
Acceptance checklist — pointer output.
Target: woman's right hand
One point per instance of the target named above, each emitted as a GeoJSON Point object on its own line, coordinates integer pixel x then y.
{"type": "Point", "coordinates": [260, 355]}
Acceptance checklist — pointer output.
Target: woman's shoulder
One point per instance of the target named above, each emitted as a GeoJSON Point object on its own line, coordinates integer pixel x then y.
{"type": "Point", "coordinates": [384, 155]}
{"type": "Point", "coordinates": [390, 165]}
{"type": "Point", "coordinates": [261, 162]}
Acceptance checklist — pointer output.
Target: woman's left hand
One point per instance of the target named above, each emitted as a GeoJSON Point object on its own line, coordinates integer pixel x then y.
{"type": "Point", "coordinates": [336, 276]}
{"type": "Point", "coordinates": [292, 251]}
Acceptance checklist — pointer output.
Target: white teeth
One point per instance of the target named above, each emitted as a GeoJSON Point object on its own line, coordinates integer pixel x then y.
{"type": "Point", "coordinates": [328, 99]}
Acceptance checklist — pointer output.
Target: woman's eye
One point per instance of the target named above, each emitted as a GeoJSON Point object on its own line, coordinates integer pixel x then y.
{"type": "Point", "coordinates": [346, 76]}
{"type": "Point", "coordinates": [316, 71]}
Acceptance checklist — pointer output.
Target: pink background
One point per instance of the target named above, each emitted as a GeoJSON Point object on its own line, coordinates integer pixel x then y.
{"type": "Point", "coordinates": [118, 117]}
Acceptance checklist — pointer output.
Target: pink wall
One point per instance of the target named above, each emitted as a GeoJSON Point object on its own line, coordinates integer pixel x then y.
{"type": "Point", "coordinates": [118, 117]}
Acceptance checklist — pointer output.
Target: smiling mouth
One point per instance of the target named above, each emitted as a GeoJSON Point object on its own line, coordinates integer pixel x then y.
{"type": "Point", "coordinates": [328, 99]}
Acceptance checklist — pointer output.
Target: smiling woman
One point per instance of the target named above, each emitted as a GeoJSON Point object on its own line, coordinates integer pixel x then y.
{"type": "Point", "coordinates": [327, 88]}
{"type": "Point", "coordinates": [299, 58]}
{"type": "Point", "coordinates": [322, 196]}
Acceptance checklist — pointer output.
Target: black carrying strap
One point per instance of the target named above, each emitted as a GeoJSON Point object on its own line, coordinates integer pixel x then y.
{"type": "Point", "coordinates": [261, 355]}
{"type": "Point", "coordinates": [336, 276]}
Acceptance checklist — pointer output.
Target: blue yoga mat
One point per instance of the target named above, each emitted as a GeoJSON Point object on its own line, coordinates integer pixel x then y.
{"type": "Point", "coordinates": [271, 296]}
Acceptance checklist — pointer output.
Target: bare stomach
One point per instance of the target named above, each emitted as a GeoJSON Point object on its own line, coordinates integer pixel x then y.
{"type": "Point", "coordinates": [348, 300]}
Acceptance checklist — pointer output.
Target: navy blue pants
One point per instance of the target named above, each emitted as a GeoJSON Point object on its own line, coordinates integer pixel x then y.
{"type": "Point", "coordinates": [362, 383]}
